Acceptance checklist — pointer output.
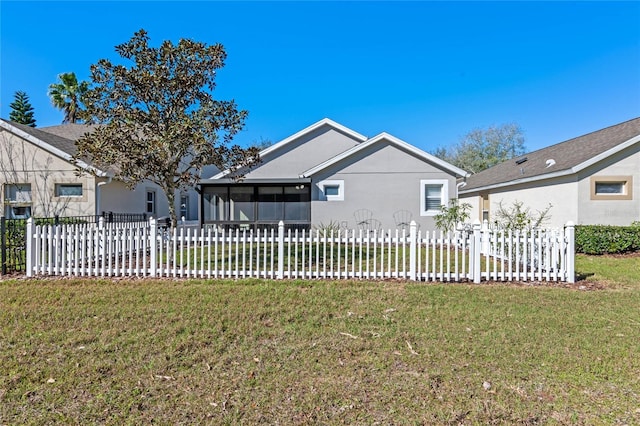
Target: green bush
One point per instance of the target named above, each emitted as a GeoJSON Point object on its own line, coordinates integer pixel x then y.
{"type": "Point", "coordinates": [606, 239]}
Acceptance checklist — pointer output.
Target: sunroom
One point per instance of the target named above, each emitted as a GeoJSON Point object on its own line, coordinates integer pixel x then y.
{"type": "Point", "coordinates": [256, 203]}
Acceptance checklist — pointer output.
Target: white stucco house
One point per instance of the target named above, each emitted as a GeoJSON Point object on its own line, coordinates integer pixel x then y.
{"type": "Point", "coordinates": [38, 178]}
{"type": "Point", "coordinates": [330, 174]}
{"type": "Point", "coordinates": [591, 179]}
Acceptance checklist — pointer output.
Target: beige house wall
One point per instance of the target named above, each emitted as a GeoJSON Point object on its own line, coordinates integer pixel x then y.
{"type": "Point", "coordinates": [24, 163]}
{"type": "Point", "coordinates": [617, 210]}
{"type": "Point", "coordinates": [561, 193]}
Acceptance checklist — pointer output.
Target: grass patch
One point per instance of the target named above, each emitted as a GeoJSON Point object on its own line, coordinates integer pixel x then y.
{"type": "Point", "coordinates": [248, 351]}
{"type": "Point", "coordinates": [614, 271]}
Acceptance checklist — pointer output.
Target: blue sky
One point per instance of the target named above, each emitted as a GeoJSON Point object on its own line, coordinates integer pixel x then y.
{"type": "Point", "coordinates": [426, 72]}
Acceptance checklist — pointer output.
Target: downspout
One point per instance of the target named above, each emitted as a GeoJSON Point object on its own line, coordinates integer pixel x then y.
{"type": "Point", "coordinates": [97, 203]}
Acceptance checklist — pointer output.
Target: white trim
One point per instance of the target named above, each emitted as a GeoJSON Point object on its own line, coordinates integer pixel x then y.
{"type": "Point", "coordinates": [444, 195]}
{"type": "Point", "coordinates": [325, 183]}
{"type": "Point", "coordinates": [297, 135]}
{"type": "Point", "coordinates": [394, 141]}
{"type": "Point", "coordinates": [47, 147]}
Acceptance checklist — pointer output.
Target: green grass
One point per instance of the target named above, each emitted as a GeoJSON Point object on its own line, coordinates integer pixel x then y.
{"type": "Point", "coordinates": [249, 351]}
{"type": "Point", "coordinates": [611, 271]}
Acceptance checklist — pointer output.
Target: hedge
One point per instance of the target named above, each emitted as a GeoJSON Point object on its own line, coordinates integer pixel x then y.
{"type": "Point", "coordinates": [606, 239]}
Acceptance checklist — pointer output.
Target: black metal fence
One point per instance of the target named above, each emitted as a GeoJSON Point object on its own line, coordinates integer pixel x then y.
{"type": "Point", "coordinates": [13, 234]}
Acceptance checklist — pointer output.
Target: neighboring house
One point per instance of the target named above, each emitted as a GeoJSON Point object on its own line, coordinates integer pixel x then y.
{"type": "Point", "coordinates": [591, 179]}
{"type": "Point", "coordinates": [329, 174]}
{"type": "Point", "coordinates": [38, 178]}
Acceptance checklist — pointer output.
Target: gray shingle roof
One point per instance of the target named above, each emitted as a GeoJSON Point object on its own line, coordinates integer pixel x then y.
{"type": "Point", "coordinates": [57, 138]}
{"type": "Point", "coordinates": [567, 155]}
{"type": "Point", "coordinates": [69, 131]}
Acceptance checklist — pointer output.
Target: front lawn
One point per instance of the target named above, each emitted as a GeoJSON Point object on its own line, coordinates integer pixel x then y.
{"type": "Point", "coordinates": [248, 351]}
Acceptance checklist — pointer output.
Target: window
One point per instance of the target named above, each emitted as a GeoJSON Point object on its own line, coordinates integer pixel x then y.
{"type": "Point", "coordinates": [611, 188]}
{"type": "Point", "coordinates": [18, 193]}
{"type": "Point", "coordinates": [151, 202]}
{"type": "Point", "coordinates": [184, 206]}
{"type": "Point", "coordinates": [17, 200]}
{"type": "Point", "coordinates": [331, 190]}
{"type": "Point", "coordinates": [68, 190]}
{"type": "Point", "coordinates": [485, 207]}
{"type": "Point", "coordinates": [296, 203]}
{"type": "Point", "coordinates": [268, 203]}
{"type": "Point", "coordinates": [241, 205]}
{"type": "Point", "coordinates": [433, 194]}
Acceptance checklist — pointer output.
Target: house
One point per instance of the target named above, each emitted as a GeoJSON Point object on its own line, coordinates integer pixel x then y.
{"type": "Point", "coordinates": [38, 178]}
{"type": "Point", "coordinates": [330, 175]}
{"type": "Point", "coordinates": [591, 179]}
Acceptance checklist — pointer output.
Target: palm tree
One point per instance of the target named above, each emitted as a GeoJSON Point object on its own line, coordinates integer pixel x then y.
{"type": "Point", "coordinates": [67, 95]}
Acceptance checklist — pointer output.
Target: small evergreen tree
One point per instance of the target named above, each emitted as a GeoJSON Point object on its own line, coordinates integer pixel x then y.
{"type": "Point", "coordinates": [21, 110]}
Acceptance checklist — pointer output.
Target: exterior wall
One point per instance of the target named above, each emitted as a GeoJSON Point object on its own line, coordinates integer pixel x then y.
{"type": "Point", "coordinates": [383, 180]}
{"type": "Point", "coordinates": [23, 162]}
{"type": "Point", "coordinates": [611, 212]}
{"type": "Point", "coordinates": [302, 154]}
{"type": "Point", "coordinates": [560, 193]}
{"type": "Point", "coordinates": [116, 197]}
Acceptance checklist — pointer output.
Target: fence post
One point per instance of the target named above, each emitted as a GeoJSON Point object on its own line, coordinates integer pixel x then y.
{"type": "Point", "coordinates": [3, 236]}
{"type": "Point", "coordinates": [280, 250]}
{"type": "Point", "coordinates": [569, 235]}
{"type": "Point", "coordinates": [477, 251]}
{"type": "Point", "coordinates": [412, 250]}
{"type": "Point", "coordinates": [30, 253]}
{"type": "Point", "coordinates": [153, 247]}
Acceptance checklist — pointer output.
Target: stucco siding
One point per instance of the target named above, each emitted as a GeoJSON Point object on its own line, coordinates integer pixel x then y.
{"type": "Point", "coordinates": [384, 180]}
{"type": "Point", "coordinates": [625, 164]}
{"type": "Point", "coordinates": [302, 154]}
{"type": "Point", "coordinates": [561, 193]}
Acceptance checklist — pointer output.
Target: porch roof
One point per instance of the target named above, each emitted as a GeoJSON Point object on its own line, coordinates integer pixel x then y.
{"type": "Point", "coordinates": [262, 181]}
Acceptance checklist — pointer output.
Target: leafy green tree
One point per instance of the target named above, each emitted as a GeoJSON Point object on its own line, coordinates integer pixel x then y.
{"type": "Point", "coordinates": [480, 149]}
{"type": "Point", "coordinates": [21, 110]}
{"type": "Point", "coordinates": [158, 119]}
{"type": "Point", "coordinates": [452, 215]}
{"type": "Point", "coordinates": [67, 95]}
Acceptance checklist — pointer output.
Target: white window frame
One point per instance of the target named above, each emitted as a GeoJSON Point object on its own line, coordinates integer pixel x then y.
{"type": "Point", "coordinates": [444, 195]}
{"type": "Point", "coordinates": [154, 202]}
{"type": "Point", "coordinates": [332, 183]}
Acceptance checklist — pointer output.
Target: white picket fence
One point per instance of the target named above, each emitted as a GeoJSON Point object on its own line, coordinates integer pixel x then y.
{"type": "Point", "coordinates": [145, 250]}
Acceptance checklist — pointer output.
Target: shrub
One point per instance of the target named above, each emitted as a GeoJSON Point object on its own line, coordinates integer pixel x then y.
{"type": "Point", "coordinates": [607, 239]}
{"type": "Point", "coordinates": [452, 215]}
{"type": "Point", "coordinates": [520, 218]}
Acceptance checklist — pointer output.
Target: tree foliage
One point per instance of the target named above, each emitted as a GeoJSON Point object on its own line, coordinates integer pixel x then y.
{"type": "Point", "coordinates": [158, 119]}
{"type": "Point", "coordinates": [480, 149]}
{"type": "Point", "coordinates": [21, 110]}
{"type": "Point", "coordinates": [452, 215]}
{"type": "Point", "coordinates": [68, 96]}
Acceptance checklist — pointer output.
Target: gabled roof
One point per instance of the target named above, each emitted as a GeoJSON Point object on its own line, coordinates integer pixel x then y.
{"type": "Point", "coordinates": [393, 141]}
{"type": "Point", "coordinates": [561, 159]}
{"type": "Point", "coordinates": [50, 139]}
{"type": "Point", "coordinates": [324, 122]}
